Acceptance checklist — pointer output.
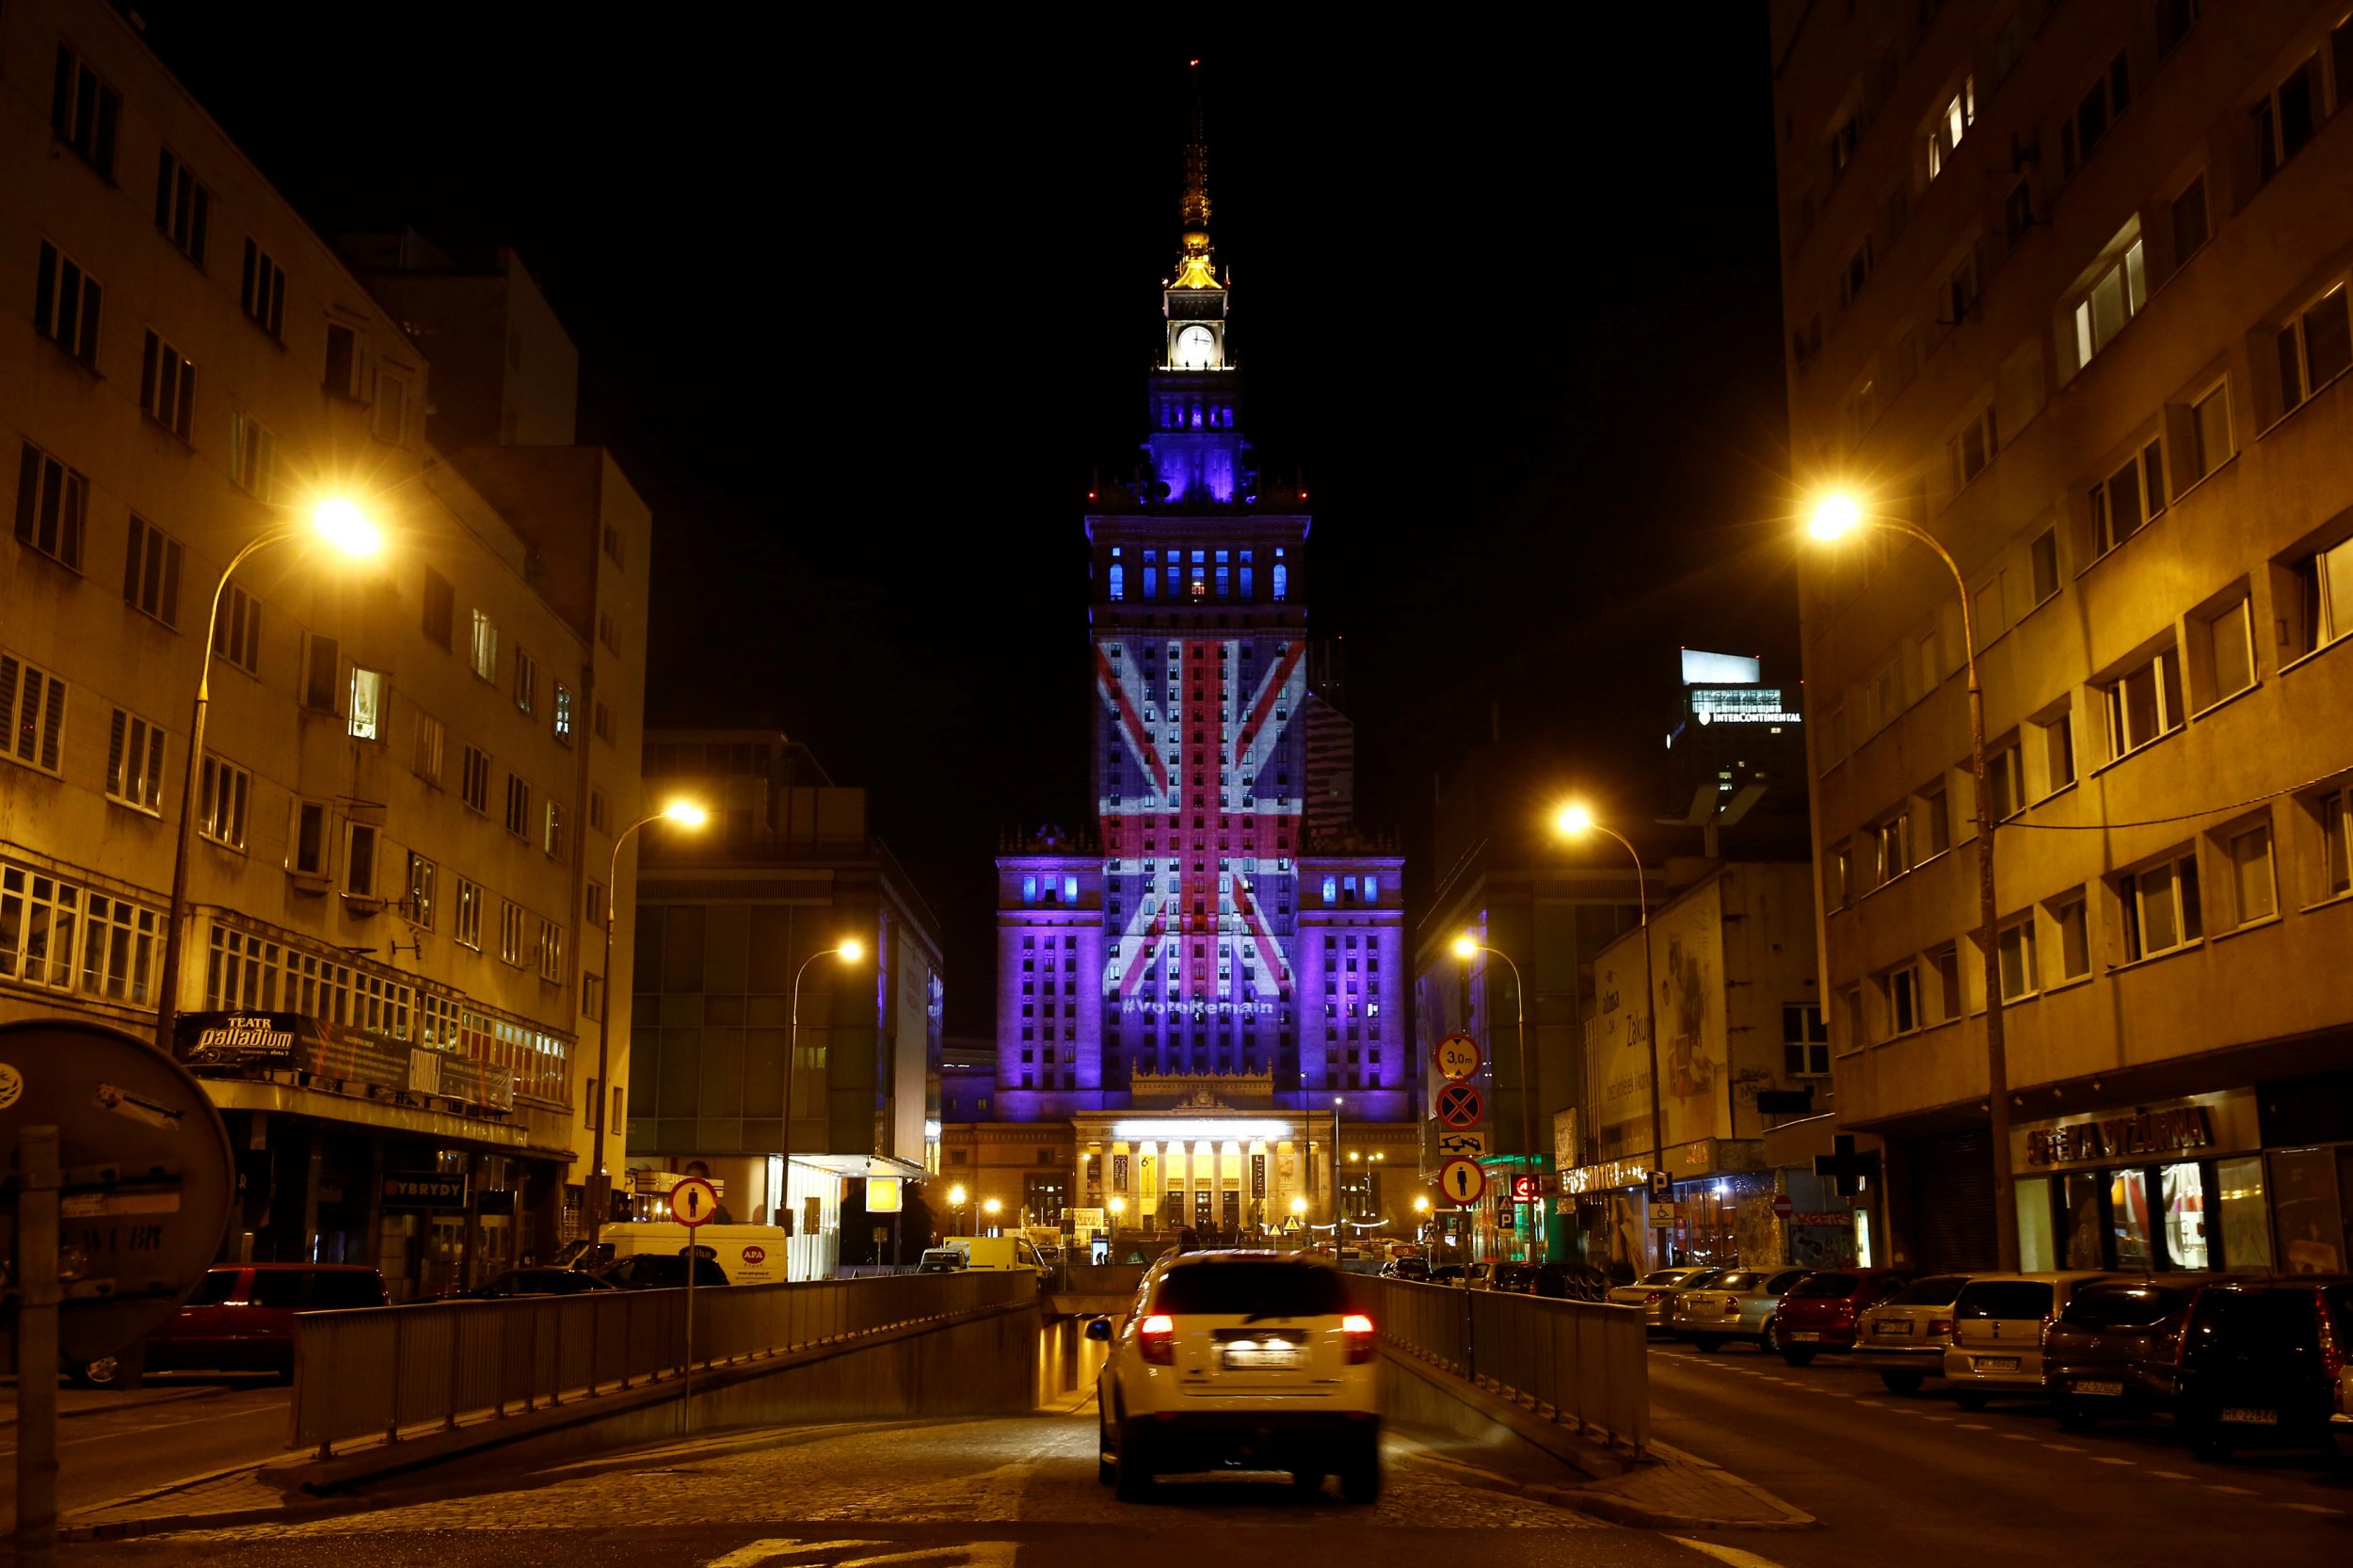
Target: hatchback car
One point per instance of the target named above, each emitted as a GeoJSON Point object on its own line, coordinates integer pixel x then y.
{"type": "Point", "coordinates": [1734, 1306]}
{"type": "Point", "coordinates": [1406, 1268]}
{"type": "Point", "coordinates": [1241, 1359]}
{"type": "Point", "coordinates": [1655, 1291]}
{"type": "Point", "coordinates": [653, 1270]}
{"type": "Point", "coordinates": [2265, 1362]}
{"type": "Point", "coordinates": [2112, 1350]}
{"type": "Point", "coordinates": [1904, 1338]}
{"type": "Point", "coordinates": [241, 1316]}
{"type": "Point", "coordinates": [940, 1260]}
{"type": "Point", "coordinates": [1820, 1312]}
{"type": "Point", "coordinates": [1447, 1273]}
{"type": "Point", "coordinates": [1512, 1278]}
{"type": "Point", "coordinates": [1998, 1332]}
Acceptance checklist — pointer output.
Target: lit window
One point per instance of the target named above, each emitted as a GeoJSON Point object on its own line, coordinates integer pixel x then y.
{"type": "Point", "coordinates": [2144, 704]}
{"type": "Point", "coordinates": [2117, 292]}
{"type": "Point", "coordinates": [1959, 113]}
{"type": "Point", "coordinates": [2161, 908]}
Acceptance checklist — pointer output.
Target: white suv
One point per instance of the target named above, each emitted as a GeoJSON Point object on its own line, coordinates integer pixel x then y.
{"type": "Point", "coordinates": [1256, 1359]}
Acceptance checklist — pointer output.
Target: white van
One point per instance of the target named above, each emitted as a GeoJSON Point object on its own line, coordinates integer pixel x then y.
{"type": "Point", "coordinates": [751, 1255]}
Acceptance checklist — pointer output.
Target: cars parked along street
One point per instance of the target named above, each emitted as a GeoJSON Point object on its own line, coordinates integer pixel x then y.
{"type": "Point", "coordinates": [2264, 1362]}
{"type": "Point", "coordinates": [1904, 1338]}
{"type": "Point", "coordinates": [1820, 1312]}
{"type": "Point", "coordinates": [1654, 1292]}
{"type": "Point", "coordinates": [1734, 1306]}
{"type": "Point", "coordinates": [2111, 1350]}
{"type": "Point", "coordinates": [240, 1317]}
{"type": "Point", "coordinates": [1998, 1322]}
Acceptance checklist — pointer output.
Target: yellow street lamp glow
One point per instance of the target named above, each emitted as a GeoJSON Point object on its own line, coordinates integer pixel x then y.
{"type": "Point", "coordinates": [339, 521]}
{"type": "Point", "coordinates": [991, 1207]}
{"type": "Point", "coordinates": [1119, 1206]}
{"type": "Point", "coordinates": [1467, 947]}
{"type": "Point", "coordinates": [1572, 819]}
{"type": "Point", "coordinates": [1298, 1206]}
{"type": "Point", "coordinates": [685, 813]}
{"type": "Point", "coordinates": [1422, 1206]}
{"type": "Point", "coordinates": [956, 1196]}
{"type": "Point", "coordinates": [1835, 516]}
{"type": "Point", "coordinates": [851, 950]}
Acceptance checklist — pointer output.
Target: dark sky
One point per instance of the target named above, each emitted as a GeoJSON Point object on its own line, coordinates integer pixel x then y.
{"type": "Point", "coordinates": [860, 314]}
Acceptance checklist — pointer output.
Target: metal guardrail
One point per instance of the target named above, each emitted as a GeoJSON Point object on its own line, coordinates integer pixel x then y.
{"type": "Point", "coordinates": [391, 1372]}
{"type": "Point", "coordinates": [1584, 1364]}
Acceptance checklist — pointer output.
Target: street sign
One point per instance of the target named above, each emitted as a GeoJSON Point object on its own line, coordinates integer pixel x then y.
{"type": "Point", "coordinates": [1466, 1144]}
{"type": "Point", "coordinates": [1782, 1205]}
{"type": "Point", "coordinates": [1662, 1186]}
{"type": "Point", "coordinates": [1461, 1105]}
{"type": "Point", "coordinates": [1462, 1181]}
{"type": "Point", "coordinates": [1526, 1189]}
{"type": "Point", "coordinates": [693, 1204]}
{"type": "Point", "coordinates": [1458, 1056]}
{"type": "Point", "coordinates": [882, 1194]}
{"type": "Point", "coordinates": [1662, 1216]}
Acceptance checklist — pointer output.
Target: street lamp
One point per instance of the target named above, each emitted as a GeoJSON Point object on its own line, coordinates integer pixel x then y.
{"type": "Point", "coordinates": [849, 950]}
{"type": "Point", "coordinates": [956, 1196]}
{"type": "Point", "coordinates": [1468, 947]}
{"type": "Point", "coordinates": [991, 1207]}
{"type": "Point", "coordinates": [1836, 517]}
{"type": "Point", "coordinates": [686, 814]}
{"type": "Point", "coordinates": [1339, 1194]}
{"type": "Point", "coordinates": [1574, 819]}
{"type": "Point", "coordinates": [335, 520]}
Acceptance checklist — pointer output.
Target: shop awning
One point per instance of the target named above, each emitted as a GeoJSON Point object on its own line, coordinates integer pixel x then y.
{"type": "Point", "coordinates": [444, 1128]}
{"type": "Point", "coordinates": [253, 1045]}
{"type": "Point", "coordinates": [861, 1165]}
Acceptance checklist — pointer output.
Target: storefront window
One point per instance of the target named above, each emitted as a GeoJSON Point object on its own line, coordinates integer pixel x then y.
{"type": "Point", "coordinates": [2034, 1224]}
{"type": "Point", "coordinates": [2246, 1232]}
{"type": "Point", "coordinates": [2183, 1192]}
{"type": "Point", "coordinates": [2084, 1225]}
{"type": "Point", "coordinates": [2304, 1199]}
{"type": "Point", "coordinates": [2128, 1220]}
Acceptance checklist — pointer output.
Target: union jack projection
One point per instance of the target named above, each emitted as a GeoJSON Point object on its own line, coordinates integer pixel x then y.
{"type": "Point", "coordinates": [1199, 805]}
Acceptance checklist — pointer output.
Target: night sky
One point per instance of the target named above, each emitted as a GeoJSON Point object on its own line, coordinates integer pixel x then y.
{"type": "Point", "coordinates": [861, 315]}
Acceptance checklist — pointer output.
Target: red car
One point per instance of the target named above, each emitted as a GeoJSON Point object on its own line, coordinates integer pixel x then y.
{"type": "Point", "coordinates": [1819, 1314]}
{"type": "Point", "coordinates": [241, 1316]}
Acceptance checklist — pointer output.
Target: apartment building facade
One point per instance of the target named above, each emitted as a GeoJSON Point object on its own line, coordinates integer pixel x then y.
{"type": "Point", "coordinates": [411, 759]}
{"type": "Point", "coordinates": [2066, 287]}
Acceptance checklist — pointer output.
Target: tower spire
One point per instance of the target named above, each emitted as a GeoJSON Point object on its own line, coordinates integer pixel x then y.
{"type": "Point", "coordinates": [1194, 270]}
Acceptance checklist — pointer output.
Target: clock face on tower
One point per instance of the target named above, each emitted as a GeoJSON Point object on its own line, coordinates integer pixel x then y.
{"type": "Point", "coordinates": [1196, 348]}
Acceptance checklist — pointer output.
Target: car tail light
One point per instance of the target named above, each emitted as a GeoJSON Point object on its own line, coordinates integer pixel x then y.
{"type": "Point", "coordinates": [1356, 1333]}
{"type": "Point", "coordinates": [1732, 1307]}
{"type": "Point", "coordinates": [1940, 1325]}
{"type": "Point", "coordinates": [1654, 1295]}
{"type": "Point", "coordinates": [1157, 1339]}
{"type": "Point", "coordinates": [2049, 1323]}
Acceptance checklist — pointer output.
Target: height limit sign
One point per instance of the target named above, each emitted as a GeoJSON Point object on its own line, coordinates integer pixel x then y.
{"type": "Point", "coordinates": [1458, 1056]}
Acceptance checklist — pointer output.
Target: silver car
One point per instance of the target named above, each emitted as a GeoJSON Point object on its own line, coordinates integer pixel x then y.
{"type": "Point", "coordinates": [1736, 1305]}
{"type": "Point", "coordinates": [1655, 1291]}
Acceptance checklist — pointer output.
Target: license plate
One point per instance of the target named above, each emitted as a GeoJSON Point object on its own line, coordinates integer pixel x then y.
{"type": "Point", "coordinates": [1997, 1363]}
{"type": "Point", "coordinates": [1892, 1330]}
{"type": "Point", "coordinates": [2084, 1385]}
{"type": "Point", "coordinates": [2252, 1418]}
{"type": "Point", "coordinates": [1804, 1336]}
{"type": "Point", "coordinates": [1261, 1358]}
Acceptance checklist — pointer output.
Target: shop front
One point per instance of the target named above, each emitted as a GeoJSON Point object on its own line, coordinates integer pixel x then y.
{"type": "Point", "coordinates": [2178, 1184]}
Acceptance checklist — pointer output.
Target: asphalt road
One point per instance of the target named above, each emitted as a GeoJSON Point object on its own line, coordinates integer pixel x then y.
{"type": "Point", "coordinates": [2003, 1485]}
{"type": "Point", "coordinates": [112, 1443]}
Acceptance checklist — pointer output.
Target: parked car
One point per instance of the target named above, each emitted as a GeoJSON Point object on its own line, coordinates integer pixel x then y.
{"type": "Point", "coordinates": [1998, 1332]}
{"type": "Point", "coordinates": [1655, 1291]}
{"type": "Point", "coordinates": [1904, 1338]}
{"type": "Point", "coordinates": [534, 1282]}
{"type": "Point", "coordinates": [1737, 1304]}
{"type": "Point", "coordinates": [1820, 1312]}
{"type": "Point", "coordinates": [653, 1270]}
{"type": "Point", "coordinates": [1406, 1268]}
{"type": "Point", "coordinates": [1240, 1358]}
{"type": "Point", "coordinates": [1516, 1279]}
{"type": "Point", "coordinates": [1575, 1282]}
{"type": "Point", "coordinates": [2263, 1361]}
{"type": "Point", "coordinates": [240, 1317]}
{"type": "Point", "coordinates": [1447, 1273]}
{"type": "Point", "coordinates": [2112, 1350]}
{"type": "Point", "coordinates": [940, 1260]}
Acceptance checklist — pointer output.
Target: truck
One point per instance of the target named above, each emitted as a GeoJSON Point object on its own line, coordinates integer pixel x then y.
{"type": "Point", "coordinates": [1004, 1252]}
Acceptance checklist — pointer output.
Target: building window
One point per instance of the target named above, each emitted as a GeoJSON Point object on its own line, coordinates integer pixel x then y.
{"type": "Point", "coordinates": [223, 790]}
{"type": "Point", "coordinates": [2097, 110]}
{"type": "Point", "coordinates": [134, 763]}
{"type": "Point", "coordinates": [613, 544]}
{"type": "Point", "coordinates": [32, 707]}
{"type": "Point", "coordinates": [2254, 889]}
{"type": "Point", "coordinates": [2058, 751]}
{"type": "Point", "coordinates": [2285, 118]}
{"type": "Point", "coordinates": [2160, 907]}
{"type": "Point", "coordinates": [1856, 273]}
{"type": "Point", "coordinates": [526, 681]}
{"type": "Point", "coordinates": [485, 653]}
{"type": "Point", "coordinates": [551, 952]}
{"type": "Point", "coordinates": [2118, 290]}
{"type": "Point", "coordinates": [606, 631]}
{"type": "Point", "coordinates": [2006, 780]}
{"type": "Point", "coordinates": [2314, 348]}
{"type": "Point", "coordinates": [1936, 819]}
{"type": "Point", "coordinates": [367, 704]}
{"type": "Point", "coordinates": [552, 838]}
{"type": "Point", "coordinates": [66, 304]}
{"type": "Point", "coordinates": [1842, 877]}
{"type": "Point", "coordinates": [432, 736]}
{"type": "Point", "coordinates": [592, 905]}
{"type": "Point", "coordinates": [2323, 597]}
{"type": "Point", "coordinates": [237, 632]}
{"type": "Point", "coordinates": [1805, 1041]}
{"type": "Point", "coordinates": [2210, 444]}
{"type": "Point", "coordinates": [602, 716]}
{"type": "Point", "coordinates": [151, 571]}
{"type": "Point", "coordinates": [468, 930]}
{"type": "Point", "coordinates": [261, 290]}
{"type": "Point", "coordinates": [322, 664]}
{"type": "Point", "coordinates": [167, 386]}
{"type": "Point", "coordinates": [306, 853]}
{"type": "Point", "coordinates": [390, 416]}
{"type": "Point", "coordinates": [40, 914]}
{"type": "Point", "coordinates": [562, 715]}
{"type": "Point", "coordinates": [2071, 918]}
{"type": "Point", "coordinates": [253, 456]}
{"type": "Point", "coordinates": [2190, 222]}
{"type": "Point", "coordinates": [340, 374]}
{"type": "Point", "coordinates": [359, 860]}
{"type": "Point", "coordinates": [1892, 842]}
{"type": "Point", "coordinates": [1118, 582]}
{"type": "Point", "coordinates": [52, 502]}
{"type": "Point", "coordinates": [517, 807]}
{"type": "Point", "coordinates": [2222, 650]}
{"type": "Point", "coordinates": [83, 111]}
{"type": "Point", "coordinates": [2131, 497]}
{"type": "Point", "coordinates": [1952, 124]}
{"type": "Point", "coordinates": [2144, 704]}
{"type": "Point", "coordinates": [2043, 558]}
{"type": "Point", "coordinates": [424, 877]}
{"type": "Point", "coordinates": [2332, 815]}
{"type": "Point", "coordinates": [511, 932]}
{"type": "Point", "coordinates": [1900, 988]}
{"type": "Point", "coordinates": [2014, 947]}
{"type": "Point", "coordinates": [440, 608]}
{"type": "Point", "coordinates": [592, 1007]}
{"type": "Point", "coordinates": [475, 779]}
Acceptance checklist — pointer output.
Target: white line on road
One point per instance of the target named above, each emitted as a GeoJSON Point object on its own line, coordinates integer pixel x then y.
{"type": "Point", "coordinates": [2063, 1449]}
{"type": "Point", "coordinates": [2311, 1507]}
{"type": "Point", "coordinates": [1734, 1556]}
{"type": "Point", "coordinates": [2110, 1459]}
{"type": "Point", "coordinates": [1974, 1426]}
{"type": "Point", "coordinates": [2237, 1490]}
{"type": "Point", "coordinates": [2171, 1475]}
{"type": "Point", "coordinates": [2017, 1437]}
{"type": "Point", "coordinates": [754, 1553]}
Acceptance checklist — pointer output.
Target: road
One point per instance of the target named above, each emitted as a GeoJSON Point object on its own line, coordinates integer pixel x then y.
{"type": "Point", "coordinates": [112, 1443]}
{"type": "Point", "coordinates": [2003, 1485]}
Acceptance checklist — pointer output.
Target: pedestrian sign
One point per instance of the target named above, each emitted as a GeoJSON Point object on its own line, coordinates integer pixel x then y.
{"type": "Point", "coordinates": [1462, 1181]}
{"type": "Point", "coordinates": [693, 1204]}
{"type": "Point", "coordinates": [1458, 1056]}
{"type": "Point", "coordinates": [1460, 1105]}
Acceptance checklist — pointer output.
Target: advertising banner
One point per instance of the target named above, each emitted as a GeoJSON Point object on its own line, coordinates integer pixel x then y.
{"type": "Point", "coordinates": [1685, 962]}
{"type": "Point", "coordinates": [238, 1042]}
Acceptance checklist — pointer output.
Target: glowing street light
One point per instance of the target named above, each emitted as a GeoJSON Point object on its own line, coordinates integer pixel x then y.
{"type": "Point", "coordinates": [335, 520]}
{"type": "Point", "coordinates": [849, 950]}
{"type": "Point", "coordinates": [1468, 947]}
{"type": "Point", "coordinates": [1574, 819]}
{"type": "Point", "coordinates": [1118, 1205]}
{"type": "Point", "coordinates": [1835, 516]}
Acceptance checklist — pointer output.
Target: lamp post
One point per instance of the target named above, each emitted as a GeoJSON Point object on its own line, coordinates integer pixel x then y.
{"type": "Point", "coordinates": [991, 1207]}
{"type": "Point", "coordinates": [849, 950]}
{"type": "Point", "coordinates": [1572, 820]}
{"type": "Point", "coordinates": [341, 523]}
{"type": "Point", "coordinates": [1468, 947]}
{"type": "Point", "coordinates": [1836, 517]}
{"type": "Point", "coordinates": [1339, 1192]}
{"type": "Point", "coordinates": [686, 814]}
{"type": "Point", "coordinates": [956, 1196]}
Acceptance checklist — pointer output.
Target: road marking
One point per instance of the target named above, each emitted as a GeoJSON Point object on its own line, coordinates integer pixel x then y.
{"type": "Point", "coordinates": [2236, 1490]}
{"type": "Point", "coordinates": [2023, 1437]}
{"type": "Point", "coordinates": [1871, 1404]}
{"type": "Point", "coordinates": [2110, 1459]}
{"type": "Point", "coordinates": [1734, 1556]}
{"type": "Point", "coordinates": [754, 1553]}
{"type": "Point", "coordinates": [2311, 1507]}
{"type": "Point", "coordinates": [1974, 1426]}
{"type": "Point", "coordinates": [966, 1554]}
{"type": "Point", "coordinates": [2171, 1475]}
{"type": "Point", "coordinates": [2063, 1449]}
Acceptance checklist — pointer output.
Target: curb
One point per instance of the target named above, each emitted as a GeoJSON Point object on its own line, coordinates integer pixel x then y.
{"type": "Point", "coordinates": [167, 1524]}
{"type": "Point", "coordinates": [1626, 1511]}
